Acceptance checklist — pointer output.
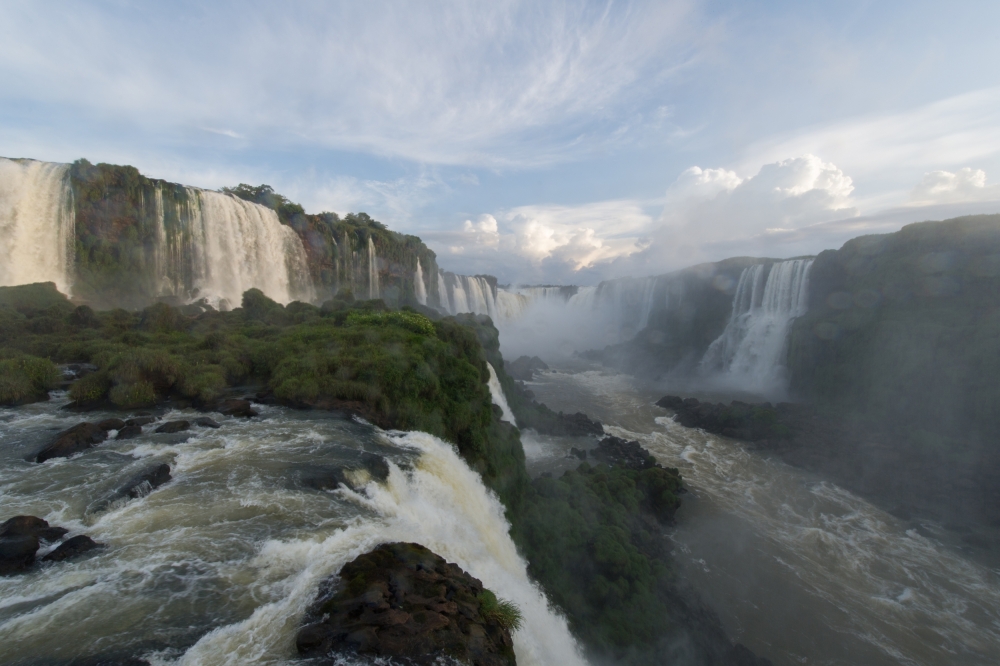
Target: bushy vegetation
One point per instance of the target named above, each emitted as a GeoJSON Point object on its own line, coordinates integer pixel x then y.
{"type": "Point", "coordinates": [594, 541]}
{"type": "Point", "coordinates": [398, 369]}
{"type": "Point", "coordinates": [25, 379]}
{"type": "Point", "coordinates": [503, 612]}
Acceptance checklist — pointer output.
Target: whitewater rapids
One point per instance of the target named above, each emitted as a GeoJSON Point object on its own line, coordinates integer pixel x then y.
{"type": "Point", "coordinates": [219, 565]}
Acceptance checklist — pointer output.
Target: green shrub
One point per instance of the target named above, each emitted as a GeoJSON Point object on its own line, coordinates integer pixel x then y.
{"type": "Point", "coordinates": [411, 320]}
{"type": "Point", "coordinates": [133, 395]}
{"type": "Point", "coordinates": [25, 379]}
{"type": "Point", "coordinates": [503, 612]}
{"type": "Point", "coordinates": [90, 389]}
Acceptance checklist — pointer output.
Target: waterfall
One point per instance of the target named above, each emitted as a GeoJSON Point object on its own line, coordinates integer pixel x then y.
{"type": "Point", "coordinates": [37, 224]}
{"type": "Point", "coordinates": [444, 301]}
{"type": "Point", "coordinates": [499, 399]}
{"type": "Point", "coordinates": [236, 245]}
{"type": "Point", "coordinates": [419, 288]}
{"type": "Point", "coordinates": [751, 351]}
{"type": "Point", "coordinates": [373, 290]}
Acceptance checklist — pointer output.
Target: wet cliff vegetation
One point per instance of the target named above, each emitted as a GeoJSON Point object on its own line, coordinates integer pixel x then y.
{"type": "Point", "coordinates": [126, 224]}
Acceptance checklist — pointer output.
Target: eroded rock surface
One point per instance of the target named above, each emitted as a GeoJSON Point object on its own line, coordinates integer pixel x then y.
{"type": "Point", "coordinates": [402, 601]}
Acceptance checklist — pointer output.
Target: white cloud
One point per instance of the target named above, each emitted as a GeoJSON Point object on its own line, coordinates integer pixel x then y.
{"type": "Point", "coordinates": [511, 82]}
{"type": "Point", "coordinates": [966, 184]}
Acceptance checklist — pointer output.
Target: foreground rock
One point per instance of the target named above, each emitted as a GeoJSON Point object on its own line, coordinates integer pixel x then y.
{"type": "Point", "coordinates": [20, 538]}
{"type": "Point", "coordinates": [144, 482]}
{"type": "Point", "coordinates": [74, 440]}
{"type": "Point", "coordinates": [72, 547]}
{"type": "Point", "coordinates": [402, 601]}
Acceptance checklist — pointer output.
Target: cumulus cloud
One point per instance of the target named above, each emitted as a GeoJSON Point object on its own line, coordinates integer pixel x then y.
{"type": "Point", "coordinates": [966, 184]}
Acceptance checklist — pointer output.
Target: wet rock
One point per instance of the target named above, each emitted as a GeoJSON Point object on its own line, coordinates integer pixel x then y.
{"type": "Point", "coordinates": [401, 601]}
{"type": "Point", "coordinates": [174, 426]}
{"type": "Point", "coordinates": [235, 407]}
{"type": "Point", "coordinates": [617, 451]}
{"type": "Point", "coordinates": [31, 526]}
{"type": "Point", "coordinates": [129, 431]}
{"type": "Point", "coordinates": [74, 440]}
{"type": "Point", "coordinates": [72, 547]}
{"type": "Point", "coordinates": [579, 453]}
{"type": "Point", "coordinates": [355, 477]}
{"type": "Point", "coordinates": [141, 421]}
{"type": "Point", "coordinates": [111, 424]}
{"type": "Point", "coordinates": [206, 422]}
{"type": "Point", "coordinates": [17, 552]}
{"type": "Point", "coordinates": [144, 482]}
{"type": "Point", "coordinates": [524, 367]}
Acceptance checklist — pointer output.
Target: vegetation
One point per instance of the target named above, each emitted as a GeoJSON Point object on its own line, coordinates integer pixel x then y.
{"type": "Point", "coordinates": [503, 612]}
{"type": "Point", "coordinates": [25, 379]}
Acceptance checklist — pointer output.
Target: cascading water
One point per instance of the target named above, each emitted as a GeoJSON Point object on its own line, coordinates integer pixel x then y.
{"type": "Point", "coordinates": [419, 288]}
{"type": "Point", "coordinates": [37, 224]}
{"type": "Point", "coordinates": [750, 353]}
{"type": "Point", "coordinates": [499, 399]}
{"type": "Point", "coordinates": [373, 286]}
{"type": "Point", "coordinates": [219, 565]}
{"type": "Point", "coordinates": [444, 300]}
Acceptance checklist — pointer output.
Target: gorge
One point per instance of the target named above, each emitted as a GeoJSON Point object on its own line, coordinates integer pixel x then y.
{"type": "Point", "coordinates": [350, 340]}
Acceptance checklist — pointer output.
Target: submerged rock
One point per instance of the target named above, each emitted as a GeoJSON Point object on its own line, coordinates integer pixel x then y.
{"type": "Point", "coordinates": [72, 547]}
{"type": "Point", "coordinates": [206, 422]}
{"type": "Point", "coordinates": [73, 440]}
{"type": "Point", "coordinates": [111, 424]}
{"type": "Point", "coordinates": [355, 477]}
{"type": "Point", "coordinates": [144, 482]}
{"type": "Point", "coordinates": [129, 431]}
{"type": "Point", "coordinates": [140, 421]}
{"type": "Point", "coordinates": [235, 407]}
{"type": "Point", "coordinates": [174, 426]}
{"type": "Point", "coordinates": [403, 601]}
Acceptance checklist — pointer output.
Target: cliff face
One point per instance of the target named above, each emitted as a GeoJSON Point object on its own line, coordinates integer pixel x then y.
{"type": "Point", "coordinates": [140, 239]}
{"type": "Point", "coordinates": [905, 327]}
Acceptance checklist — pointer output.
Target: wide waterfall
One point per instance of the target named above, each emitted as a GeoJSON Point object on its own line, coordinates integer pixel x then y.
{"type": "Point", "coordinates": [750, 353]}
{"type": "Point", "coordinates": [236, 245]}
{"type": "Point", "coordinates": [36, 224]}
{"type": "Point", "coordinates": [419, 288]}
{"type": "Point", "coordinates": [466, 293]}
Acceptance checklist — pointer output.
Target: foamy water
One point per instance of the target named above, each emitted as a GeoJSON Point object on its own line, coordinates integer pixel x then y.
{"type": "Point", "coordinates": [219, 565]}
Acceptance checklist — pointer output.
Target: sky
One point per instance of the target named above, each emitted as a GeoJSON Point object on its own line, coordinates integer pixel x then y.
{"type": "Point", "coordinates": [544, 143]}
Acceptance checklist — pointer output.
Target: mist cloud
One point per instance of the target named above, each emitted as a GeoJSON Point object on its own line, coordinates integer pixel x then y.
{"type": "Point", "coordinates": [966, 184]}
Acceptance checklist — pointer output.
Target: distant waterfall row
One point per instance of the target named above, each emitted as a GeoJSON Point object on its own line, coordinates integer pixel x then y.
{"type": "Point", "coordinates": [751, 351]}
{"type": "Point", "coordinates": [36, 223]}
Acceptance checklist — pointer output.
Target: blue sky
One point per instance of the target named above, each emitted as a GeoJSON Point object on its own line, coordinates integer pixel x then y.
{"type": "Point", "coordinates": [541, 142]}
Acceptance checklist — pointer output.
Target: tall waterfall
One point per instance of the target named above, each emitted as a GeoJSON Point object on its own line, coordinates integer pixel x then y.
{"type": "Point", "coordinates": [751, 351]}
{"type": "Point", "coordinates": [466, 293]}
{"type": "Point", "coordinates": [499, 399]}
{"type": "Point", "coordinates": [237, 245]}
{"type": "Point", "coordinates": [419, 288]}
{"type": "Point", "coordinates": [373, 288]}
{"type": "Point", "coordinates": [37, 229]}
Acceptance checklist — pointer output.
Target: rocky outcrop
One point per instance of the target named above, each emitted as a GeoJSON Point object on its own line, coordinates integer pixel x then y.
{"type": "Point", "coordinates": [629, 454]}
{"type": "Point", "coordinates": [401, 601]}
{"type": "Point", "coordinates": [72, 547]}
{"type": "Point", "coordinates": [144, 482]}
{"type": "Point", "coordinates": [355, 477]}
{"type": "Point", "coordinates": [21, 537]}
{"type": "Point", "coordinates": [236, 407]}
{"type": "Point", "coordinates": [524, 367]}
{"type": "Point", "coordinates": [73, 440]}
{"type": "Point", "coordinates": [738, 420]}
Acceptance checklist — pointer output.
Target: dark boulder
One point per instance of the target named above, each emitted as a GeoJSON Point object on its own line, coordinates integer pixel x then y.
{"type": "Point", "coordinates": [401, 601]}
{"type": "Point", "coordinates": [141, 421]}
{"type": "Point", "coordinates": [72, 547]}
{"type": "Point", "coordinates": [174, 426]}
{"type": "Point", "coordinates": [17, 552]}
{"type": "Point", "coordinates": [144, 482]}
{"type": "Point", "coordinates": [78, 438]}
{"type": "Point", "coordinates": [129, 431]}
{"type": "Point", "coordinates": [628, 454]}
{"type": "Point", "coordinates": [579, 453]}
{"type": "Point", "coordinates": [111, 424]}
{"type": "Point", "coordinates": [738, 420]}
{"type": "Point", "coordinates": [235, 407]}
{"type": "Point", "coordinates": [206, 422]}
{"type": "Point", "coordinates": [355, 477]}
{"type": "Point", "coordinates": [31, 526]}
{"type": "Point", "coordinates": [524, 367]}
